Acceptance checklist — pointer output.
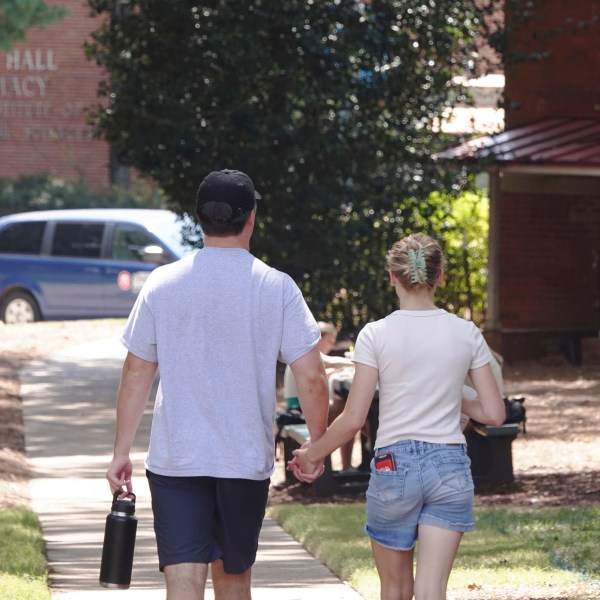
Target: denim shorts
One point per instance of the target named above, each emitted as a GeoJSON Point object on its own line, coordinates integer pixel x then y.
{"type": "Point", "coordinates": [432, 485]}
{"type": "Point", "coordinates": [202, 519]}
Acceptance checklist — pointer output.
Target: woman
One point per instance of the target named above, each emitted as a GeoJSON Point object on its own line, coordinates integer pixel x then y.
{"type": "Point", "coordinates": [421, 486]}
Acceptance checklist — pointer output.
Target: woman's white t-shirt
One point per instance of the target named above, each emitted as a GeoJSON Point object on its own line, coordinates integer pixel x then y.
{"type": "Point", "coordinates": [423, 358]}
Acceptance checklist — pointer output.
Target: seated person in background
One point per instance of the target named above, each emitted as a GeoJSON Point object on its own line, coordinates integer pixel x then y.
{"type": "Point", "coordinates": [332, 365]}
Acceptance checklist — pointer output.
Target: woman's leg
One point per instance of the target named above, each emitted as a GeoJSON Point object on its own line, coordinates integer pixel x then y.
{"type": "Point", "coordinates": [395, 568]}
{"type": "Point", "coordinates": [437, 550]}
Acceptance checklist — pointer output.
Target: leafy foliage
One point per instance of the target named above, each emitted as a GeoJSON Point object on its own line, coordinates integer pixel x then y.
{"type": "Point", "coordinates": [17, 16]}
{"type": "Point", "coordinates": [329, 106]}
{"type": "Point", "coordinates": [458, 222]}
{"type": "Point", "coordinates": [461, 226]}
{"type": "Point", "coordinates": [43, 192]}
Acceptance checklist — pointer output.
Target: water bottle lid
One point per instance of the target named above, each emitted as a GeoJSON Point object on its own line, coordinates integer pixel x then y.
{"type": "Point", "coordinates": [123, 505]}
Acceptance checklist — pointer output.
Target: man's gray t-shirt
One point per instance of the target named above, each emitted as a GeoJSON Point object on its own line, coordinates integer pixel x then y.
{"type": "Point", "coordinates": [216, 323]}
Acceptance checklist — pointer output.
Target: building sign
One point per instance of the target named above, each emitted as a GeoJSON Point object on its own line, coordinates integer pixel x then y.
{"type": "Point", "coordinates": [46, 86]}
{"type": "Point", "coordinates": [24, 97]}
{"type": "Point", "coordinates": [31, 60]}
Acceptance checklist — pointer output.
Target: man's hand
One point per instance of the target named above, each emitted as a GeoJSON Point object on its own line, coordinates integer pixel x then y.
{"type": "Point", "coordinates": [301, 475]}
{"type": "Point", "coordinates": [119, 474]}
{"type": "Point", "coordinates": [304, 469]}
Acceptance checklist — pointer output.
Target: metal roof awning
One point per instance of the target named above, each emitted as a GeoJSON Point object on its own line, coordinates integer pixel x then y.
{"type": "Point", "coordinates": [551, 142]}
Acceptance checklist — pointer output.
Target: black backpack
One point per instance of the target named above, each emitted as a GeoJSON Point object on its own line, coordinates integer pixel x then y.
{"type": "Point", "coordinates": [515, 411]}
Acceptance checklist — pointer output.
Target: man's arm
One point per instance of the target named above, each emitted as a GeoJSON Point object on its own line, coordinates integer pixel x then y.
{"type": "Point", "coordinates": [345, 427]}
{"type": "Point", "coordinates": [313, 392]}
{"type": "Point", "coordinates": [137, 377]}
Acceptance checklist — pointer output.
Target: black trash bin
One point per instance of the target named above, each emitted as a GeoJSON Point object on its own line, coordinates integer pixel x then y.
{"type": "Point", "coordinates": [490, 451]}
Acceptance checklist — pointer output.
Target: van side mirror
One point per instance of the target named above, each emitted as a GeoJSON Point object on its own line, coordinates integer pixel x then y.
{"type": "Point", "coordinates": [154, 254]}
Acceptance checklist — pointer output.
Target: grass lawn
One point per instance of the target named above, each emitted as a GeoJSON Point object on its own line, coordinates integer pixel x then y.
{"type": "Point", "coordinates": [512, 549]}
{"type": "Point", "coordinates": [22, 561]}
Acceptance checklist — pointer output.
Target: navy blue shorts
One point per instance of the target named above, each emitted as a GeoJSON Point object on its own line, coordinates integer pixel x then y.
{"type": "Point", "coordinates": [203, 519]}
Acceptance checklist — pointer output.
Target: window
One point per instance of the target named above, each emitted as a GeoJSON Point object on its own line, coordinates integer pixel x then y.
{"type": "Point", "coordinates": [130, 241]}
{"type": "Point", "coordinates": [78, 239]}
{"type": "Point", "coordinates": [22, 238]}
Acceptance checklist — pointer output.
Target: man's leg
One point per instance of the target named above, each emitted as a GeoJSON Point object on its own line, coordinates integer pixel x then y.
{"type": "Point", "coordinates": [229, 586]}
{"type": "Point", "coordinates": [186, 581]}
{"type": "Point", "coordinates": [241, 505]}
{"type": "Point", "coordinates": [183, 509]}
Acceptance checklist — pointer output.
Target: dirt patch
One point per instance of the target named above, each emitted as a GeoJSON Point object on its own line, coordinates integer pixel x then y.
{"type": "Point", "coordinates": [556, 462]}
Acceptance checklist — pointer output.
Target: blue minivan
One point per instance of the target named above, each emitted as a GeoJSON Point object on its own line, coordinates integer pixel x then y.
{"type": "Point", "coordinates": [85, 263]}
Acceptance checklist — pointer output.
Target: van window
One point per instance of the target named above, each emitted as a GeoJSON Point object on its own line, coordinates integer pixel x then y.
{"type": "Point", "coordinates": [22, 238]}
{"type": "Point", "coordinates": [78, 239]}
{"type": "Point", "coordinates": [129, 242]}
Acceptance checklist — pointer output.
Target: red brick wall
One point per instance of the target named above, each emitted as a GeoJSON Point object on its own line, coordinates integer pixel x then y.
{"type": "Point", "coordinates": [46, 83]}
{"type": "Point", "coordinates": [567, 82]}
{"type": "Point", "coordinates": [548, 262]}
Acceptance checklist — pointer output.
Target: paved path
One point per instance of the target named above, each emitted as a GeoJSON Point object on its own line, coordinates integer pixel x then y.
{"type": "Point", "coordinates": [68, 404]}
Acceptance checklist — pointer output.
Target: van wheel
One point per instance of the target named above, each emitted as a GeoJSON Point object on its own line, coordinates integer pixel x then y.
{"type": "Point", "coordinates": [19, 307]}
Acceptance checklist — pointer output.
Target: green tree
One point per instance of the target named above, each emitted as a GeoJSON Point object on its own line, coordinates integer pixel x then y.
{"type": "Point", "coordinates": [461, 225]}
{"type": "Point", "coordinates": [330, 106]}
{"type": "Point", "coordinates": [17, 16]}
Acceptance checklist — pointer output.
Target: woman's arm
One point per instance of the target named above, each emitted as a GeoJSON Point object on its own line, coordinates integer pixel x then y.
{"type": "Point", "coordinates": [346, 425]}
{"type": "Point", "coordinates": [487, 407]}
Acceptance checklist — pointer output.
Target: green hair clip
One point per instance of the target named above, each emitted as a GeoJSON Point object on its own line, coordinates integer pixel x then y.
{"type": "Point", "coordinates": [417, 263]}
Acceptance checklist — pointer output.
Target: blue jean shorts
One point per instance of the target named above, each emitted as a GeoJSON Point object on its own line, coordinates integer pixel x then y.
{"type": "Point", "coordinates": [431, 485]}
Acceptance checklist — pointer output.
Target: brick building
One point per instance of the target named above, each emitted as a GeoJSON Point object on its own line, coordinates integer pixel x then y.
{"type": "Point", "coordinates": [544, 270]}
{"type": "Point", "coordinates": [46, 83]}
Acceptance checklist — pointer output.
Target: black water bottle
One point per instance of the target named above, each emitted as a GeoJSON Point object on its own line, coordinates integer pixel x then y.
{"type": "Point", "coordinates": [119, 543]}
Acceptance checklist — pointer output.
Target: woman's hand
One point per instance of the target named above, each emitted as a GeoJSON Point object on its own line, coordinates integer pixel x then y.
{"type": "Point", "coordinates": [304, 469]}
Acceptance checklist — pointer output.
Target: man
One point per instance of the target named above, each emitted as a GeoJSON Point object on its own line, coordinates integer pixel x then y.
{"type": "Point", "coordinates": [215, 323]}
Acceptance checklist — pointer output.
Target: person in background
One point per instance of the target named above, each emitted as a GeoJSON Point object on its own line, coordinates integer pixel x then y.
{"type": "Point", "coordinates": [420, 487]}
{"type": "Point", "coordinates": [215, 324]}
{"type": "Point", "coordinates": [332, 365]}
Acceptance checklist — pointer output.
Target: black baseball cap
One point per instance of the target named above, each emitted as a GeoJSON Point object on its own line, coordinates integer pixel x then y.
{"type": "Point", "coordinates": [225, 195]}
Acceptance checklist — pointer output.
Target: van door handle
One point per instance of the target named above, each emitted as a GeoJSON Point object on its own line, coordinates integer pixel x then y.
{"type": "Point", "coordinates": [92, 270]}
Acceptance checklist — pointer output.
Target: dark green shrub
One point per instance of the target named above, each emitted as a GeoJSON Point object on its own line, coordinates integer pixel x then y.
{"type": "Point", "coordinates": [43, 192]}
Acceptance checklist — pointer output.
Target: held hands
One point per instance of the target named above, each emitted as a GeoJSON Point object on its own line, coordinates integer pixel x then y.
{"type": "Point", "coordinates": [304, 469]}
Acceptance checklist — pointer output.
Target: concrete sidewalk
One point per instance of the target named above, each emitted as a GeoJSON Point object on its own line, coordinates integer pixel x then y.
{"type": "Point", "coordinates": [68, 406]}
